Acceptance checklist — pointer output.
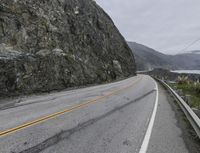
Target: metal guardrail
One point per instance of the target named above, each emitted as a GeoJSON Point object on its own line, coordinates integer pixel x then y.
{"type": "Point", "coordinates": [191, 116]}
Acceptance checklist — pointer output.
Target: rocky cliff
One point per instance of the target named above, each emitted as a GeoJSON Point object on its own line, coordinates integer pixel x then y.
{"type": "Point", "coordinates": [55, 44]}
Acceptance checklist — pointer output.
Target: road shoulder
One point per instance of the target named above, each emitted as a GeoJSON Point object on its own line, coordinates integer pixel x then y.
{"type": "Point", "coordinates": [167, 135]}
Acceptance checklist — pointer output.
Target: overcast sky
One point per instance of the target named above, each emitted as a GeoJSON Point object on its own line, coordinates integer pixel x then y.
{"type": "Point", "coordinates": [165, 25]}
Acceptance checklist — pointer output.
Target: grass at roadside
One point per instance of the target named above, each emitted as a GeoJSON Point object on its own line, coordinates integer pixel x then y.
{"type": "Point", "coordinates": [192, 90]}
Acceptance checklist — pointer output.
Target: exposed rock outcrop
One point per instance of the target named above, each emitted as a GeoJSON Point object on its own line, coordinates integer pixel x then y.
{"type": "Point", "coordinates": [55, 44]}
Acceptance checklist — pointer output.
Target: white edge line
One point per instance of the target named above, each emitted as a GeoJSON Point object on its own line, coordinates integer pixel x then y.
{"type": "Point", "coordinates": [147, 136]}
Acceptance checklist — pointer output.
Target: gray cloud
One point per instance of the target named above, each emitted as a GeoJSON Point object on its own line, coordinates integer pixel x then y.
{"type": "Point", "coordinates": [165, 25]}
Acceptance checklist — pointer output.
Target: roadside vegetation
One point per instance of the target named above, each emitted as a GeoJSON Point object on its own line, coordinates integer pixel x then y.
{"type": "Point", "coordinates": [191, 88]}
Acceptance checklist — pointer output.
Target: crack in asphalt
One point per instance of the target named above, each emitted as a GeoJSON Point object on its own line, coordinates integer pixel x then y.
{"type": "Point", "coordinates": [67, 133]}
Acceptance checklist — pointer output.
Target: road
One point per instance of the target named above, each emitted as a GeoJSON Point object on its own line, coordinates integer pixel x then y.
{"type": "Point", "coordinates": [128, 116]}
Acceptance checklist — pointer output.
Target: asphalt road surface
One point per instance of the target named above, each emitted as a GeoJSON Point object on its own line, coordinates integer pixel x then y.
{"type": "Point", "coordinates": [129, 116]}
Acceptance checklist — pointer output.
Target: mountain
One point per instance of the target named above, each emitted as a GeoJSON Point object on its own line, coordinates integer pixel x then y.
{"type": "Point", "coordinates": [47, 45]}
{"type": "Point", "coordinates": [196, 51]}
{"type": "Point", "coordinates": [148, 58]}
{"type": "Point", "coordinates": [187, 61]}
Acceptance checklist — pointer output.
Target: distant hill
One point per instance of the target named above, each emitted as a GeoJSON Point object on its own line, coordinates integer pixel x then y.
{"type": "Point", "coordinates": [196, 51]}
{"type": "Point", "coordinates": [148, 58]}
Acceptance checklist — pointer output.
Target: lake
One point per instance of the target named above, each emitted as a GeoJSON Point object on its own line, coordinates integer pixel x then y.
{"type": "Point", "coordinates": [187, 71]}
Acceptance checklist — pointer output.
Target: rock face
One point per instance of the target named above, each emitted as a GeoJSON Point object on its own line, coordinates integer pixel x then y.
{"type": "Point", "coordinates": [55, 44]}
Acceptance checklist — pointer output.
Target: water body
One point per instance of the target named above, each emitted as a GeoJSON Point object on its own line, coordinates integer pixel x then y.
{"type": "Point", "coordinates": [187, 71]}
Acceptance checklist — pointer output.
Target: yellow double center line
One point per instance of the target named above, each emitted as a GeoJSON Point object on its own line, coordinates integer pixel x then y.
{"type": "Point", "coordinates": [68, 110]}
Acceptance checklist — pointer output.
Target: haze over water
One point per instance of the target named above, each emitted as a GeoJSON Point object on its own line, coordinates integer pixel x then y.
{"type": "Point", "coordinates": [188, 71]}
